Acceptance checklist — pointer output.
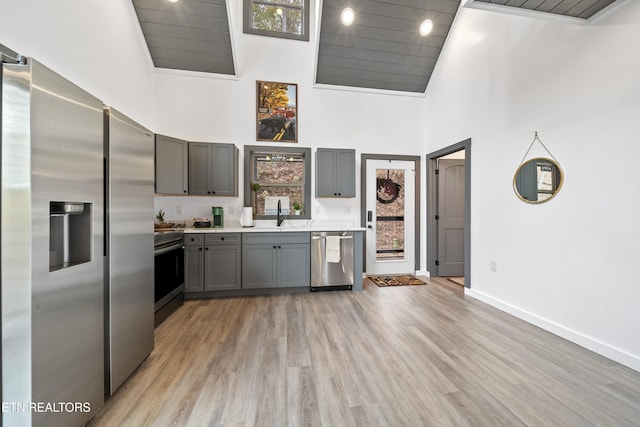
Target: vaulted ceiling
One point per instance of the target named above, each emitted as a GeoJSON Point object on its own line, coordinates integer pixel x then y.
{"type": "Point", "coordinates": [583, 9]}
{"type": "Point", "coordinates": [380, 50]}
{"type": "Point", "coordinates": [187, 35]}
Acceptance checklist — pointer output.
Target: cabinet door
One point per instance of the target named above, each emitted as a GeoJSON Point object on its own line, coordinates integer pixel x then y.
{"type": "Point", "coordinates": [193, 269]}
{"type": "Point", "coordinates": [258, 266]}
{"type": "Point", "coordinates": [223, 267]}
{"type": "Point", "coordinates": [293, 265]}
{"type": "Point", "coordinates": [199, 160]}
{"type": "Point", "coordinates": [335, 173]}
{"type": "Point", "coordinates": [346, 176]}
{"type": "Point", "coordinates": [326, 173]}
{"type": "Point", "coordinates": [223, 170]}
{"type": "Point", "coordinates": [172, 157]}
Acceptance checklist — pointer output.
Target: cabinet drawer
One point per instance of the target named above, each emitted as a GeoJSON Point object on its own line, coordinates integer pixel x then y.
{"type": "Point", "coordinates": [194, 239]}
{"type": "Point", "coordinates": [222, 239]}
{"type": "Point", "coordinates": [275, 238]}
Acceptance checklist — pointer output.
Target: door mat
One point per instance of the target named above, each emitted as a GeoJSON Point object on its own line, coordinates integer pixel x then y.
{"type": "Point", "coordinates": [457, 280]}
{"type": "Point", "coordinates": [405, 280]}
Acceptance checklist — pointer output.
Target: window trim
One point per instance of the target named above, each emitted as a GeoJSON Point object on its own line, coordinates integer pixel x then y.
{"type": "Point", "coordinates": [306, 24]}
{"type": "Point", "coordinates": [249, 150]}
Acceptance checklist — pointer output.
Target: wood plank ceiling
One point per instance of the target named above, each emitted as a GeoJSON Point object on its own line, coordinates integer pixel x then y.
{"type": "Point", "coordinates": [187, 35]}
{"type": "Point", "coordinates": [382, 49]}
{"type": "Point", "coordinates": [583, 9]}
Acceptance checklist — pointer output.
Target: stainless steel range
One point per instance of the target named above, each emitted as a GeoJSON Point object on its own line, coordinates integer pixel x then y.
{"type": "Point", "coordinates": [169, 272]}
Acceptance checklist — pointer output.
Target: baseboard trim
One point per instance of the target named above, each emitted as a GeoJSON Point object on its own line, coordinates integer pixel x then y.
{"type": "Point", "coordinates": [423, 273]}
{"type": "Point", "coordinates": [575, 337]}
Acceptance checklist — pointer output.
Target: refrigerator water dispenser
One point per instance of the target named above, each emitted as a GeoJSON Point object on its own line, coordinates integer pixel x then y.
{"type": "Point", "coordinates": [69, 234]}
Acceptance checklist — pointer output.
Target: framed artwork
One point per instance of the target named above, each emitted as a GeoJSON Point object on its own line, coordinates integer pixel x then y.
{"type": "Point", "coordinates": [276, 111]}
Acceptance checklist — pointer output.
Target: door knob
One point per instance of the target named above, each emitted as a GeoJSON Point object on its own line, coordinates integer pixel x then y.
{"type": "Point", "coordinates": [369, 226]}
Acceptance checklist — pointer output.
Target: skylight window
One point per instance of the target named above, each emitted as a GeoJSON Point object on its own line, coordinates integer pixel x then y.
{"type": "Point", "coordinates": [277, 18]}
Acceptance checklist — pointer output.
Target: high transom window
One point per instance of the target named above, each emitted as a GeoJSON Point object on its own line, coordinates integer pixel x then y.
{"type": "Point", "coordinates": [277, 18]}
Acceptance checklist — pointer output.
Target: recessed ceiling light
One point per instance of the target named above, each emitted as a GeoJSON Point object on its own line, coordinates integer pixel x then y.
{"type": "Point", "coordinates": [347, 16]}
{"type": "Point", "coordinates": [425, 27]}
{"type": "Point", "coordinates": [173, 1]}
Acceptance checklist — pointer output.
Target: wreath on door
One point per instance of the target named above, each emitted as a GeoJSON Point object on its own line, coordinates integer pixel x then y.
{"type": "Point", "coordinates": [387, 191]}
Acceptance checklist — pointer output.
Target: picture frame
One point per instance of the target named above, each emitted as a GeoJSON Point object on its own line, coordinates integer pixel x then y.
{"type": "Point", "coordinates": [276, 111]}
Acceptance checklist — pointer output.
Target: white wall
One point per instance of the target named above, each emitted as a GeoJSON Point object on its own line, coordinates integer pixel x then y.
{"type": "Point", "coordinates": [97, 45]}
{"type": "Point", "coordinates": [202, 108]}
{"type": "Point", "coordinates": [569, 265]}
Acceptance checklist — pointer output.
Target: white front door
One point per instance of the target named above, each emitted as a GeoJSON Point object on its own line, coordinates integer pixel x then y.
{"type": "Point", "coordinates": [390, 204]}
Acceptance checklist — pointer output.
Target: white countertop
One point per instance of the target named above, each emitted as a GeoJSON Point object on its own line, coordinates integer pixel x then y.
{"type": "Point", "coordinates": [287, 226]}
{"type": "Point", "coordinates": [305, 229]}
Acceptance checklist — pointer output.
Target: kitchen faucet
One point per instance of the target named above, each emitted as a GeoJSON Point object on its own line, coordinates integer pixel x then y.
{"type": "Point", "coordinates": [280, 217]}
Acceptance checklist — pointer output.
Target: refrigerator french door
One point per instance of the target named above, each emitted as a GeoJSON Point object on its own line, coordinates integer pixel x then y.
{"type": "Point", "coordinates": [129, 273]}
{"type": "Point", "coordinates": [52, 248]}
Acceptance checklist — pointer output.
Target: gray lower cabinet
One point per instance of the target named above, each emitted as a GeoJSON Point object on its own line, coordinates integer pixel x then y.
{"type": "Point", "coordinates": [335, 172]}
{"type": "Point", "coordinates": [276, 260]}
{"type": "Point", "coordinates": [212, 262]}
{"type": "Point", "coordinates": [213, 169]}
{"type": "Point", "coordinates": [172, 164]}
{"type": "Point", "coordinates": [193, 262]}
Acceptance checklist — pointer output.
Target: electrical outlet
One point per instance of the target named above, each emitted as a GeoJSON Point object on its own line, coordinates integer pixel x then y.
{"type": "Point", "coordinates": [347, 210]}
{"type": "Point", "coordinates": [494, 266]}
{"type": "Point", "coordinates": [179, 210]}
{"type": "Point", "coordinates": [231, 210]}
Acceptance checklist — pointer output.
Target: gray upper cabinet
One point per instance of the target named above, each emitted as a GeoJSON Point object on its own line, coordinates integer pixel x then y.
{"type": "Point", "coordinates": [335, 173]}
{"type": "Point", "coordinates": [213, 169]}
{"type": "Point", "coordinates": [172, 163]}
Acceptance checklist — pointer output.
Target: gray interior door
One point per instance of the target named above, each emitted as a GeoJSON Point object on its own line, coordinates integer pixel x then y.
{"type": "Point", "coordinates": [451, 217]}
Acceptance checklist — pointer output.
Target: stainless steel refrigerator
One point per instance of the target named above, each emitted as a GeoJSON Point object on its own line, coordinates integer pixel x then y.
{"type": "Point", "coordinates": [129, 272]}
{"type": "Point", "coordinates": [52, 243]}
{"type": "Point", "coordinates": [76, 275]}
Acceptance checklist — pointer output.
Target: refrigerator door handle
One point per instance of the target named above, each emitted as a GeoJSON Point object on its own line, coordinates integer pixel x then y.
{"type": "Point", "coordinates": [105, 214]}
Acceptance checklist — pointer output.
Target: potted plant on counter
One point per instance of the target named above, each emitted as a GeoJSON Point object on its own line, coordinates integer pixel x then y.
{"type": "Point", "coordinates": [297, 208]}
{"type": "Point", "coordinates": [160, 220]}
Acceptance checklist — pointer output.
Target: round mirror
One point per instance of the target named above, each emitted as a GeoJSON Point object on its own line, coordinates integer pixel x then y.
{"type": "Point", "coordinates": [538, 180]}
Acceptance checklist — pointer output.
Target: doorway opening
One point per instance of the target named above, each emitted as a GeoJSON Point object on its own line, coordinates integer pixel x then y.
{"type": "Point", "coordinates": [390, 212]}
{"type": "Point", "coordinates": [449, 213]}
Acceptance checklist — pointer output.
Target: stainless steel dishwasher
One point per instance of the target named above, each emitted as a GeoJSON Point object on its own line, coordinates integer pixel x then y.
{"type": "Point", "coordinates": [331, 260]}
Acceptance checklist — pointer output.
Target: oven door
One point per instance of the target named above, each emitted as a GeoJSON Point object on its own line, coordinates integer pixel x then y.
{"type": "Point", "coordinates": [169, 274]}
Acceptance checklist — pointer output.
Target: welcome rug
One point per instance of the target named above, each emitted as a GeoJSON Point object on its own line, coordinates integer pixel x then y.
{"type": "Point", "coordinates": [404, 280]}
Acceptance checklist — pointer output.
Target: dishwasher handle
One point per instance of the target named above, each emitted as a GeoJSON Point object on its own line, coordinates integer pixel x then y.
{"type": "Point", "coordinates": [324, 237]}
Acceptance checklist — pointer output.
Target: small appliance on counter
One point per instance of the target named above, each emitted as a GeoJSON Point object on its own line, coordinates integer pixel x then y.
{"type": "Point", "coordinates": [246, 220]}
{"type": "Point", "coordinates": [218, 217]}
{"type": "Point", "coordinates": [201, 223]}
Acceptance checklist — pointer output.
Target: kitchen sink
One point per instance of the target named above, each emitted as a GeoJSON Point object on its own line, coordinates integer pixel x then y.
{"type": "Point", "coordinates": [288, 224]}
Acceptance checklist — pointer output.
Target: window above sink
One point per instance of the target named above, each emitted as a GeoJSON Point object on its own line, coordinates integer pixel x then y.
{"type": "Point", "coordinates": [277, 173]}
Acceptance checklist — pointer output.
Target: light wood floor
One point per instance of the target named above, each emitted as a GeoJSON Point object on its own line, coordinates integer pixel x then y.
{"type": "Point", "coordinates": [396, 356]}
